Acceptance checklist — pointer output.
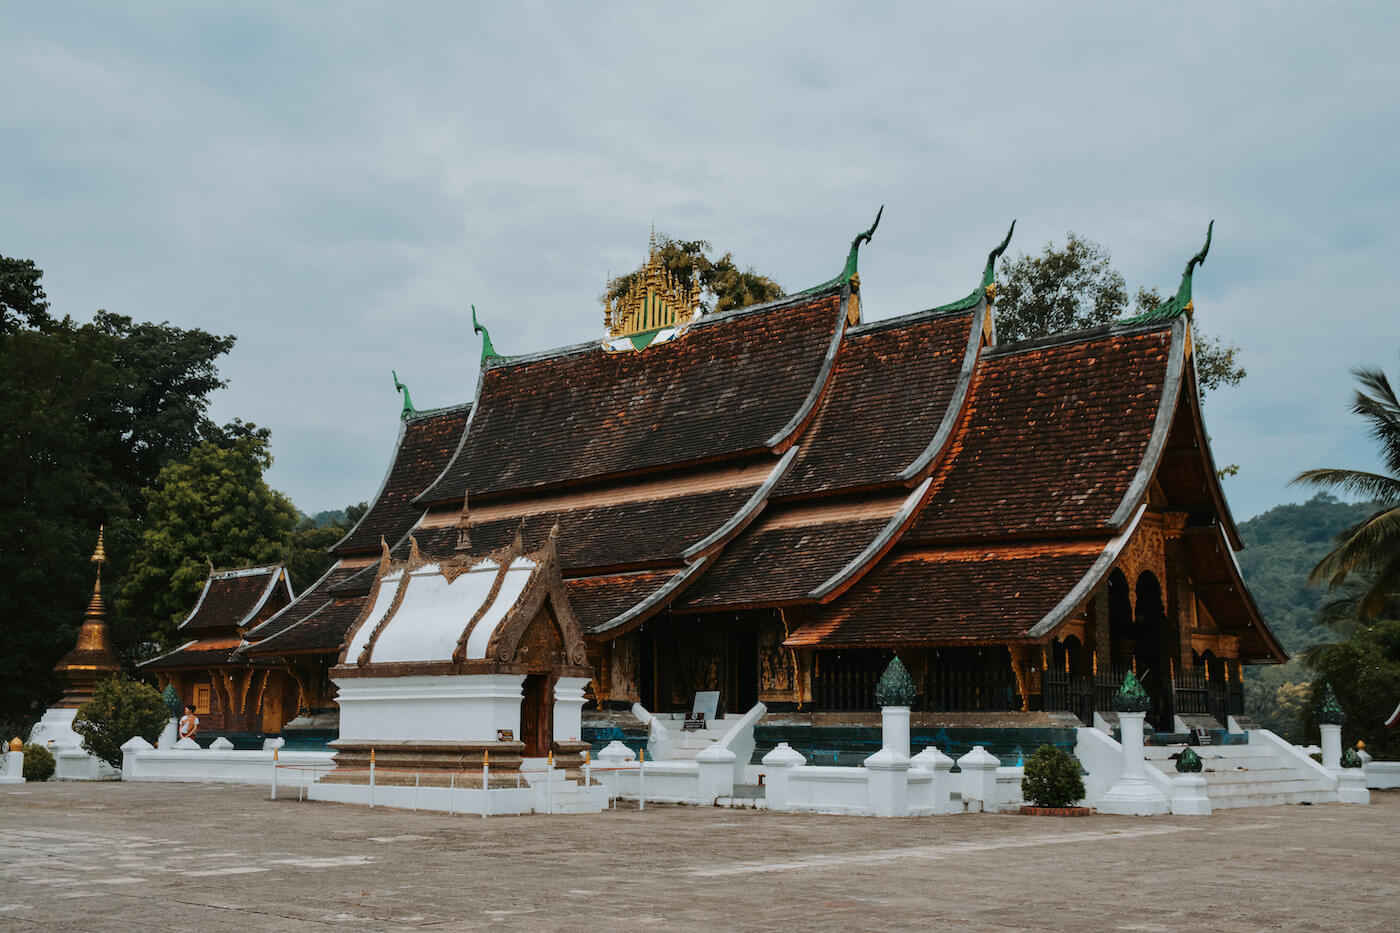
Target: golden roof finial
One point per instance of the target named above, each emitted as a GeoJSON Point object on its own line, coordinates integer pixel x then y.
{"type": "Point", "coordinates": [100, 555]}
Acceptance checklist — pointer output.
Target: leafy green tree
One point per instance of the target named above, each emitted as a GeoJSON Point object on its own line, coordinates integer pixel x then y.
{"type": "Point", "coordinates": [1371, 547]}
{"type": "Point", "coordinates": [308, 555]}
{"type": "Point", "coordinates": [1364, 671]}
{"type": "Point", "coordinates": [1051, 778]}
{"type": "Point", "coordinates": [212, 507]}
{"type": "Point", "coordinates": [120, 709]}
{"type": "Point", "coordinates": [1074, 287]}
{"type": "Point", "coordinates": [723, 284]}
{"type": "Point", "coordinates": [38, 762]}
{"type": "Point", "coordinates": [88, 415]}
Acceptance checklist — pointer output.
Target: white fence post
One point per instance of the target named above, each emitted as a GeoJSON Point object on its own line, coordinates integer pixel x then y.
{"type": "Point", "coordinates": [371, 779]}
{"type": "Point", "coordinates": [642, 780]}
{"type": "Point", "coordinates": [485, 781]}
{"type": "Point", "coordinates": [274, 774]}
{"type": "Point", "coordinates": [780, 762]}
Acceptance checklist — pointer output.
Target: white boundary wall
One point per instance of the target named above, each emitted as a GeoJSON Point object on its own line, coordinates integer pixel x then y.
{"type": "Point", "coordinates": [141, 762]}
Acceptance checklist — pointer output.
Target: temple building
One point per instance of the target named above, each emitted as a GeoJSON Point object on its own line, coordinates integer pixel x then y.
{"type": "Point", "coordinates": [231, 695]}
{"type": "Point", "coordinates": [771, 502]}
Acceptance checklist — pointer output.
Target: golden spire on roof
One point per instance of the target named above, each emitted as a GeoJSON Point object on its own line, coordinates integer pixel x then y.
{"type": "Point", "coordinates": [654, 300]}
{"type": "Point", "coordinates": [100, 555]}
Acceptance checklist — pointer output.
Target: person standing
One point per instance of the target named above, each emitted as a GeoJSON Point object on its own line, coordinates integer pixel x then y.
{"type": "Point", "coordinates": [189, 723]}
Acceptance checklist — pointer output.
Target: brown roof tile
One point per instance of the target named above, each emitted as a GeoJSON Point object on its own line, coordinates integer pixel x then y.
{"type": "Point", "coordinates": [426, 443]}
{"type": "Point", "coordinates": [598, 600]}
{"type": "Point", "coordinates": [236, 597]}
{"type": "Point", "coordinates": [1053, 439]}
{"type": "Point", "coordinates": [948, 597]}
{"type": "Point", "coordinates": [728, 387]}
{"type": "Point", "coordinates": [308, 602]}
{"type": "Point", "coordinates": [887, 398]}
{"type": "Point", "coordinates": [780, 564]}
{"type": "Point", "coordinates": [320, 632]}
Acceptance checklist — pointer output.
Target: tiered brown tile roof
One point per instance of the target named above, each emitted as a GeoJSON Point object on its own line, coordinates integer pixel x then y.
{"type": "Point", "coordinates": [426, 443]}
{"type": "Point", "coordinates": [234, 598]}
{"type": "Point", "coordinates": [889, 394]}
{"type": "Point", "coordinates": [598, 600]}
{"type": "Point", "coordinates": [731, 386]}
{"type": "Point", "coordinates": [311, 600]}
{"type": "Point", "coordinates": [1055, 435]}
{"type": "Point", "coordinates": [952, 597]}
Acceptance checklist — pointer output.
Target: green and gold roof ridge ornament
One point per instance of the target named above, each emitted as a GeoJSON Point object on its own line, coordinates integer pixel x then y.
{"type": "Point", "coordinates": [408, 410]}
{"type": "Point", "coordinates": [1131, 697]}
{"type": "Point", "coordinates": [1180, 303]}
{"type": "Point", "coordinates": [988, 288]}
{"type": "Point", "coordinates": [488, 350]}
{"type": "Point", "coordinates": [654, 302]}
{"type": "Point", "coordinates": [1329, 711]}
{"type": "Point", "coordinates": [850, 271]}
{"type": "Point", "coordinates": [895, 687]}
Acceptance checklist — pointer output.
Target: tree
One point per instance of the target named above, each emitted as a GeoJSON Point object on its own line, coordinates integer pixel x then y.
{"type": "Point", "coordinates": [88, 415]}
{"type": "Point", "coordinates": [1076, 287]}
{"type": "Point", "coordinates": [1371, 547]}
{"type": "Point", "coordinates": [1364, 671]}
{"type": "Point", "coordinates": [120, 710]}
{"type": "Point", "coordinates": [723, 284]}
{"type": "Point", "coordinates": [308, 555]}
{"type": "Point", "coordinates": [213, 507]}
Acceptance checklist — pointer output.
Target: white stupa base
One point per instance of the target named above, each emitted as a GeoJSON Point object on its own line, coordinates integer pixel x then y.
{"type": "Point", "coordinates": [1134, 798]}
{"type": "Point", "coordinates": [71, 762]}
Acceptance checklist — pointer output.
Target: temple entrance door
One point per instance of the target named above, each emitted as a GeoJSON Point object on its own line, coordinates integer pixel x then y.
{"type": "Point", "coordinates": [537, 715]}
{"type": "Point", "coordinates": [741, 673]}
{"type": "Point", "coordinates": [272, 704]}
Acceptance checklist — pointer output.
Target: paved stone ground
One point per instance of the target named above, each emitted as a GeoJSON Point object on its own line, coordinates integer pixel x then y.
{"type": "Point", "coordinates": [209, 858]}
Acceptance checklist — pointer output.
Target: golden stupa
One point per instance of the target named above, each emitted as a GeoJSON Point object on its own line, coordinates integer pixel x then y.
{"type": "Point", "coordinates": [91, 659]}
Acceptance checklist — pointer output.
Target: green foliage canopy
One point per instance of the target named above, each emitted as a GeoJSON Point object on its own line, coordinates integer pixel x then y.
{"type": "Point", "coordinates": [1371, 547]}
{"type": "Point", "coordinates": [212, 507]}
{"type": "Point", "coordinates": [120, 709]}
{"type": "Point", "coordinates": [88, 415]}
{"type": "Point", "coordinates": [1074, 287]}
{"type": "Point", "coordinates": [39, 764]}
{"type": "Point", "coordinates": [1364, 671]}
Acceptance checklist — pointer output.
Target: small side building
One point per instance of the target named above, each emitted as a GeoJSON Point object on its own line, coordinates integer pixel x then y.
{"type": "Point", "coordinates": [231, 695]}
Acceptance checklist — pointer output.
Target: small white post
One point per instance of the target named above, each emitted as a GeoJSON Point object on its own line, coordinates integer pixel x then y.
{"type": "Point", "coordinates": [274, 774]}
{"type": "Point", "coordinates": [451, 791]}
{"type": "Point", "coordinates": [979, 779]}
{"type": "Point", "coordinates": [485, 781]}
{"type": "Point", "coordinates": [642, 780]}
{"type": "Point", "coordinates": [941, 766]}
{"type": "Point", "coordinates": [715, 765]}
{"type": "Point", "coordinates": [549, 783]}
{"type": "Point", "coordinates": [1331, 746]}
{"type": "Point", "coordinates": [417, 779]}
{"type": "Point", "coordinates": [301, 784]}
{"type": "Point", "coordinates": [371, 779]}
{"type": "Point", "coordinates": [779, 764]}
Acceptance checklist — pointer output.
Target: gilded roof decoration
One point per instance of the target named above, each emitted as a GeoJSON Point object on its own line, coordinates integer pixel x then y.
{"type": "Point", "coordinates": [654, 303]}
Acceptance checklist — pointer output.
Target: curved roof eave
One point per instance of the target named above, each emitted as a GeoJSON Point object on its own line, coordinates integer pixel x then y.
{"type": "Point", "coordinates": [746, 514]}
{"type": "Point", "coordinates": [1090, 581]}
{"type": "Point", "coordinates": [859, 565]}
{"type": "Point", "coordinates": [1161, 429]}
{"type": "Point", "coordinates": [787, 434]}
{"type": "Point", "coordinates": [957, 404]}
{"type": "Point", "coordinates": [1217, 492]}
{"type": "Point", "coordinates": [658, 600]}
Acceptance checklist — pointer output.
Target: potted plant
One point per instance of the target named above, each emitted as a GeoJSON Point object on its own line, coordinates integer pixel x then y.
{"type": "Point", "coordinates": [1052, 784]}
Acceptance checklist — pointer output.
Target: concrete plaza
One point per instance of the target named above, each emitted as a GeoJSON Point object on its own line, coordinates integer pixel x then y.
{"type": "Point", "coordinates": [209, 858]}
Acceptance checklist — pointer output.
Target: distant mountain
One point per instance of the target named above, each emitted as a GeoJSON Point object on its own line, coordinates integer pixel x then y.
{"type": "Point", "coordinates": [330, 517]}
{"type": "Point", "coordinates": [1282, 546]}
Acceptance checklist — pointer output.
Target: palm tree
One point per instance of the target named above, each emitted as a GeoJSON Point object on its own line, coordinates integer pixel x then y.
{"type": "Point", "coordinates": [1370, 549]}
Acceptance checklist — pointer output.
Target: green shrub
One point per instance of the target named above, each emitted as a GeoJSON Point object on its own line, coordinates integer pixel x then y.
{"type": "Point", "coordinates": [1052, 778]}
{"type": "Point", "coordinates": [38, 763]}
{"type": "Point", "coordinates": [120, 709]}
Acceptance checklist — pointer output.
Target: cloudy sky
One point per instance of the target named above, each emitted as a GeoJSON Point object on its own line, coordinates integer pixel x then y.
{"type": "Point", "coordinates": [336, 183]}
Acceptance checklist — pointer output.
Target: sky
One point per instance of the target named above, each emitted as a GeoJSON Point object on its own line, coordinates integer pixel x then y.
{"type": "Point", "coordinates": [337, 183]}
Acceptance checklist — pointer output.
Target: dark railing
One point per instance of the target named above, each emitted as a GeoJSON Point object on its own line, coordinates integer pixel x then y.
{"type": "Point", "coordinates": [1192, 694]}
{"type": "Point", "coordinates": [846, 682]}
{"type": "Point", "coordinates": [968, 680]}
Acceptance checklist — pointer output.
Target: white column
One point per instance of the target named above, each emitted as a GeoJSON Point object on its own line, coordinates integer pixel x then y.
{"type": "Point", "coordinates": [894, 731]}
{"type": "Point", "coordinates": [1189, 797]}
{"type": "Point", "coordinates": [887, 783]}
{"type": "Point", "coordinates": [716, 776]}
{"type": "Point", "coordinates": [131, 750]}
{"type": "Point", "coordinates": [1331, 746]}
{"type": "Point", "coordinates": [14, 768]}
{"type": "Point", "coordinates": [1133, 795]}
{"type": "Point", "coordinates": [568, 708]}
{"type": "Point", "coordinates": [779, 764]}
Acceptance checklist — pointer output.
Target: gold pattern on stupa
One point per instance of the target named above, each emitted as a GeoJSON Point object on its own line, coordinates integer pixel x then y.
{"type": "Point", "coordinates": [656, 299]}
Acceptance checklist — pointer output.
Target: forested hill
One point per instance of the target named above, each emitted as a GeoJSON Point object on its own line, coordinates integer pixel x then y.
{"type": "Point", "coordinates": [1282, 546]}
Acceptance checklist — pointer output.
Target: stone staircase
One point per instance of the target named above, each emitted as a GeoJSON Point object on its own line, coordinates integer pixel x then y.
{"type": "Point", "coordinates": [556, 791]}
{"type": "Point", "coordinates": [1246, 775]}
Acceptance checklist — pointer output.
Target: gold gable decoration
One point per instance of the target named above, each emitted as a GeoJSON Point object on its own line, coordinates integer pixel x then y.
{"type": "Point", "coordinates": [654, 300]}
